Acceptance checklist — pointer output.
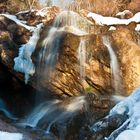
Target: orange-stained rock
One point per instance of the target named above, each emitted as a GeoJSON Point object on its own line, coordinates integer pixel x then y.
{"type": "Point", "coordinates": [128, 51]}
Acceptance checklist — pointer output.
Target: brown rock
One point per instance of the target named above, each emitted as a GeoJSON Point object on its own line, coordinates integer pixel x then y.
{"type": "Point", "coordinates": [128, 53]}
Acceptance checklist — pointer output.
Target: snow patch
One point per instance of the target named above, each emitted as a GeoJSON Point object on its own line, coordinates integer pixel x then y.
{"type": "Point", "coordinates": [43, 12]}
{"type": "Point", "coordinates": [122, 14]}
{"type": "Point", "coordinates": [102, 20]}
{"type": "Point", "coordinates": [19, 22]}
{"type": "Point", "coordinates": [25, 12]}
{"type": "Point", "coordinates": [10, 136]}
{"type": "Point", "coordinates": [112, 28]}
{"type": "Point", "coordinates": [137, 27]}
{"type": "Point", "coordinates": [23, 63]}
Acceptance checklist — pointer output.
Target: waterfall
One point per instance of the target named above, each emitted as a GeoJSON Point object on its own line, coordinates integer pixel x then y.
{"type": "Point", "coordinates": [69, 110]}
{"type": "Point", "coordinates": [114, 66]}
{"type": "Point", "coordinates": [53, 111]}
{"type": "Point", "coordinates": [3, 108]}
{"type": "Point", "coordinates": [66, 21]}
{"type": "Point", "coordinates": [82, 58]}
{"type": "Point", "coordinates": [38, 113]}
{"type": "Point", "coordinates": [49, 53]}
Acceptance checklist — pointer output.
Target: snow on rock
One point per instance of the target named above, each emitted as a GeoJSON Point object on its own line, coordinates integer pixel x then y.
{"type": "Point", "coordinates": [122, 14]}
{"type": "Point", "coordinates": [102, 20]}
{"type": "Point", "coordinates": [10, 136]}
{"type": "Point", "coordinates": [137, 27]}
{"type": "Point", "coordinates": [43, 12]}
{"type": "Point", "coordinates": [23, 63]}
{"type": "Point", "coordinates": [25, 12]}
{"type": "Point", "coordinates": [112, 28]}
{"type": "Point", "coordinates": [131, 105]}
{"type": "Point", "coordinates": [19, 22]}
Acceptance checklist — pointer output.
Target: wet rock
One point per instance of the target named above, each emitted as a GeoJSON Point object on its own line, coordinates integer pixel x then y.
{"type": "Point", "coordinates": [65, 79]}
{"type": "Point", "coordinates": [70, 123]}
{"type": "Point", "coordinates": [128, 53]}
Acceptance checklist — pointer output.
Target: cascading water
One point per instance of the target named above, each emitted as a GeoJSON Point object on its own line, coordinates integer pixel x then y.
{"type": "Point", "coordinates": [38, 113]}
{"type": "Point", "coordinates": [49, 54]}
{"type": "Point", "coordinates": [53, 111]}
{"type": "Point", "coordinates": [66, 21]}
{"type": "Point", "coordinates": [114, 66]}
{"type": "Point", "coordinates": [4, 109]}
{"type": "Point", "coordinates": [82, 58]}
{"type": "Point", "coordinates": [66, 112]}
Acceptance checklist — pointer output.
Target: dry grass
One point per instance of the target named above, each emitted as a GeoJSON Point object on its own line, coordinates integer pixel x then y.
{"type": "Point", "coordinates": [14, 6]}
{"type": "Point", "coordinates": [104, 7]}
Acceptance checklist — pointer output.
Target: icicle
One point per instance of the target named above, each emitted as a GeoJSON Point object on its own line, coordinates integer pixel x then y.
{"type": "Point", "coordinates": [23, 63]}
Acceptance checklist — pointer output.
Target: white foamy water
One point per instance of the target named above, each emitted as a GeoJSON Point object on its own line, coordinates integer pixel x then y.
{"type": "Point", "coordinates": [66, 21]}
{"type": "Point", "coordinates": [118, 98]}
{"type": "Point", "coordinates": [69, 111]}
{"type": "Point", "coordinates": [54, 111]}
{"type": "Point", "coordinates": [3, 108]}
{"type": "Point", "coordinates": [38, 113]}
{"type": "Point", "coordinates": [49, 53]}
{"type": "Point", "coordinates": [82, 58]}
{"type": "Point", "coordinates": [114, 65]}
{"type": "Point", "coordinates": [76, 104]}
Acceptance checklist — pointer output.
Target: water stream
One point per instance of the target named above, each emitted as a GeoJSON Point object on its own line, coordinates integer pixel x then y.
{"type": "Point", "coordinates": [82, 58]}
{"type": "Point", "coordinates": [116, 79]}
{"type": "Point", "coordinates": [4, 109]}
{"type": "Point", "coordinates": [38, 113]}
{"type": "Point", "coordinates": [50, 112]}
{"type": "Point", "coordinates": [66, 21]}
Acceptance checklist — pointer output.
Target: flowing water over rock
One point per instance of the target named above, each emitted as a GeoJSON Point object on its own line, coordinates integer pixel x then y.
{"type": "Point", "coordinates": [116, 79]}
{"type": "Point", "coordinates": [54, 114]}
{"type": "Point", "coordinates": [72, 118]}
{"type": "Point", "coordinates": [38, 113]}
{"type": "Point", "coordinates": [66, 21]}
{"type": "Point", "coordinates": [82, 58]}
{"type": "Point", "coordinates": [4, 109]}
{"type": "Point", "coordinates": [53, 111]}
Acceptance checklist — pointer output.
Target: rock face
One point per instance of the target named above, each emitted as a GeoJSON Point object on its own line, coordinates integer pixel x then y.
{"type": "Point", "coordinates": [70, 77]}
{"type": "Point", "coordinates": [66, 76]}
{"type": "Point", "coordinates": [128, 51]}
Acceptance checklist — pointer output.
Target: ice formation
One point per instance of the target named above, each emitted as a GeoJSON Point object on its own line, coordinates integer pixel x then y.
{"type": "Point", "coordinates": [23, 63]}
{"type": "Point", "coordinates": [131, 105]}
{"type": "Point", "coordinates": [10, 136]}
